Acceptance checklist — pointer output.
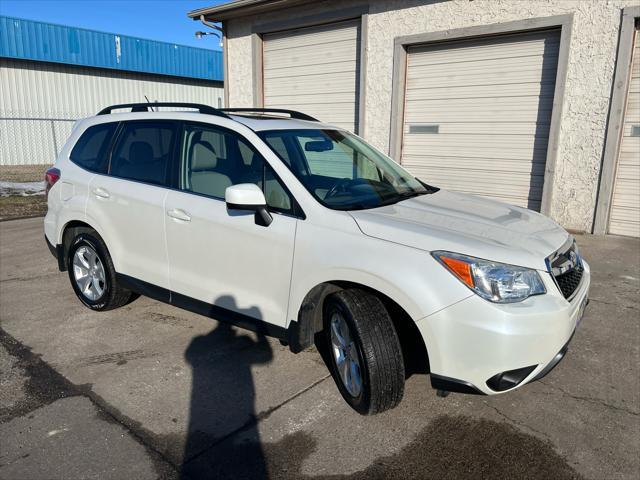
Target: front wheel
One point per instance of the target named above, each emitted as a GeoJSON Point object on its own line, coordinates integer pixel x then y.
{"type": "Point", "coordinates": [92, 274]}
{"type": "Point", "coordinates": [364, 350]}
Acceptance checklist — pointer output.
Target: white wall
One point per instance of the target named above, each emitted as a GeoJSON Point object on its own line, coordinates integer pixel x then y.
{"type": "Point", "coordinates": [589, 75]}
{"type": "Point", "coordinates": [38, 99]}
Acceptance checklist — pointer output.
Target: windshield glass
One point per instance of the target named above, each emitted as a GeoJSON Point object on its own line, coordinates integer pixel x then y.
{"type": "Point", "coordinates": [342, 171]}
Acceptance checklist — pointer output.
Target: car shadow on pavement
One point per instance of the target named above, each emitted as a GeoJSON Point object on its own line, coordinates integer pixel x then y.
{"type": "Point", "coordinates": [223, 402]}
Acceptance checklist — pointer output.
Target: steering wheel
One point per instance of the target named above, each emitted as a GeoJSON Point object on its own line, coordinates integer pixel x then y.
{"type": "Point", "coordinates": [340, 185]}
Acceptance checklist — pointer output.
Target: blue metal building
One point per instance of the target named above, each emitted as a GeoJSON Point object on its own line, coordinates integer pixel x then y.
{"type": "Point", "coordinates": [52, 75]}
{"type": "Point", "coordinates": [47, 42]}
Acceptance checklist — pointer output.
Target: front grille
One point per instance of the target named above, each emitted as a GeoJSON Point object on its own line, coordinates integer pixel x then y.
{"type": "Point", "coordinates": [568, 282]}
{"type": "Point", "coordinates": [566, 267]}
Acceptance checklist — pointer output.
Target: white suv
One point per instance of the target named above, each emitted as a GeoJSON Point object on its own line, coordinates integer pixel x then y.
{"type": "Point", "coordinates": [273, 221]}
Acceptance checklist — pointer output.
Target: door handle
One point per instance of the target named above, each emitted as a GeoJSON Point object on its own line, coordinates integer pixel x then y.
{"type": "Point", "coordinates": [101, 193]}
{"type": "Point", "coordinates": [179, 214]}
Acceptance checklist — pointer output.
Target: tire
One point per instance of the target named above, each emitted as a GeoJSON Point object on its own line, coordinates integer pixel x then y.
{"type": "Point", "coordinates": [375, 344]}
{"type": "Point", "coordinates": [102, 292]}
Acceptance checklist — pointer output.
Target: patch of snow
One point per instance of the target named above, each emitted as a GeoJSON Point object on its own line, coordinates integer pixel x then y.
{"type": "Point", "coordinates": [23, 189]}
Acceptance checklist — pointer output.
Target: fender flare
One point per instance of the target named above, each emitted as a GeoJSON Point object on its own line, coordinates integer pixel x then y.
{"type": "Point", "coordinates": [308, 315]}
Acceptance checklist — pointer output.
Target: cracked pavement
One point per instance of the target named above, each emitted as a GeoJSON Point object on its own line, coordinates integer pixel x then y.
{"type": "Point", "coordinates": [151, 391]}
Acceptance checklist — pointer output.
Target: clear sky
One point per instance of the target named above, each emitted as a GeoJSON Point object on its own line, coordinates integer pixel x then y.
{"type": "Point", "coordinates": [164, 20]}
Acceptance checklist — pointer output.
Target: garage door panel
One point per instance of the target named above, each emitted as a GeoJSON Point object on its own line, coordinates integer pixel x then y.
{"type": "Point", "coordinates": [532, 89]}
{"type": "Point", "coordinates": [525, 63]}
{"type": "Point", "coordinates": [312, 99]}
{"type": "Point", "coordinates": [488, 186]}
{"type": "Point", "coordinates": [328, 71]}
{"type": "Point", "coordinates": [485, 106]}
{"type": "Point", "coordinates": [625, 226]}
{"type": "Point", "coordinates": [481, 151]}
{"type": "Point", "coordinates": [489, 48]}
{"type": "Point", "coordinates": [343, 31]}
{"type": "Point", "coordinates": [460, 78]}
{"type": "Point", "coordinates": [529, 155]}
{"type": "Point", "coordinates": [312, 47]}
{"type": "Point", "coordinates": [624, 218]}
{"type": "Point", "coordinates": [445, 140]}
{"type": "Point", "coordinates": [485, 181]}
{"type": "Point", "coordinates": [477, 116]}
{"type": "Point", "coordinates": [340, 111]}
{"type": "Point", "coordinates": [628, 130]}
{"type": "Point", "coordinates": [335, 82]}
{"type": "Point", "coordinates": [524, 55]}
{"type": "Point", "coordinates": [471, 163]}
{"type": "Point", "coordinates": [629, 172]}
{"type": "Point", "coordinates": [629, 149]}
{"type": "Point", "coordinates": [481, 129]}
{"type": "Point", "coordinates": [314, 70]}
{"type": "Point", "coordinates": [626, 198]}
{"type": "Point", "coordinates": [296, 57]}
{"type": "Point", "coordinates": [528, 103]}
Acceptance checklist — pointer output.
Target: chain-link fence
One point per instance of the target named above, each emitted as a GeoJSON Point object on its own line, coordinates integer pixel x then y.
{"type": "Point", "coordinates": [32, 141]}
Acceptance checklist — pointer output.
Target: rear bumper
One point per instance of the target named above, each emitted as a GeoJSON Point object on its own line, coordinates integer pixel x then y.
{"type": "Point", "coordinates": [475, 346]}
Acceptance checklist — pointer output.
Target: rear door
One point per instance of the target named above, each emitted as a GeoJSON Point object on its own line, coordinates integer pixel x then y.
{"type": "Point", "coordinates": [127, 203]}
{"type": "Point", "coordinates": [218, 256]}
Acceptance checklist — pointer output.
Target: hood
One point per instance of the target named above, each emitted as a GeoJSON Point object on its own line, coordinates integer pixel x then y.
{"type": "Point", "coordinates": [466, 224]}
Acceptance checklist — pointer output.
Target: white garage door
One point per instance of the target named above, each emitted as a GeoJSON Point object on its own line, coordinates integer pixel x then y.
{"type": "Point", "coordinates": [477, 115]}
{"type": "Point", "coordinates": [314, 70]}
{"type": "Point", "coordinates": [625, 207]}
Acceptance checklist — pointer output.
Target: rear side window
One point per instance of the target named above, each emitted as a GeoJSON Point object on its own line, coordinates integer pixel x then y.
{"type": "Point", "coordinates": [143, 152]}
{"type": "Point", "coordinates": [91, 150]}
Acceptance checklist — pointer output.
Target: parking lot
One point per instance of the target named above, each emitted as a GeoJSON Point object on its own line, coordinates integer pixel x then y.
{"type": "Point", "coordinates": [151, 391]}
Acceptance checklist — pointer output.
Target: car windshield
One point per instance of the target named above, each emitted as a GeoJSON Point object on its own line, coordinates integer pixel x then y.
{"type": "Point", "coordinates": [342, 171]}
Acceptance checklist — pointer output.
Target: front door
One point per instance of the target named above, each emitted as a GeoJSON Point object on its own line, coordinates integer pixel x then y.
{"type": "Point", "coordinates": [220, 256]}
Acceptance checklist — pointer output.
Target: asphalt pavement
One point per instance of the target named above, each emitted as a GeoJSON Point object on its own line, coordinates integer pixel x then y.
{"type": "Point", "coordinates": [151, 391]}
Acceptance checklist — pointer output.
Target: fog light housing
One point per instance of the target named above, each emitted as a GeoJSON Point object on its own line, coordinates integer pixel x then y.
{"type": "Point", "coordinates": [509, 379]}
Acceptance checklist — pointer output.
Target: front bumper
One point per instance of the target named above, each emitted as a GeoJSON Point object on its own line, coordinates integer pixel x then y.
{"type": "Point", "coordinates": [476, 346]}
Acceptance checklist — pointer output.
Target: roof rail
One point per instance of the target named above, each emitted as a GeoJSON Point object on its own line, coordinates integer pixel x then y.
{"type": "Point", "coordinates": [146, 107]}
{"type": "Point", "coordinates": [291, 113]}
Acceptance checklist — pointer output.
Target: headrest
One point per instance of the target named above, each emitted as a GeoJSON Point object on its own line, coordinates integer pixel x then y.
{"type": "Point", "coordinates": [203, 156]}
{"type": "Point", "coordinates": [140, 152]}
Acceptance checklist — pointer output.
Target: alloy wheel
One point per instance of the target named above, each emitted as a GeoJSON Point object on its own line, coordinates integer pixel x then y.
{"type": "Point", "coordinates": [345, 354]}
{"type": "Point", "coordinates": [88, 273]}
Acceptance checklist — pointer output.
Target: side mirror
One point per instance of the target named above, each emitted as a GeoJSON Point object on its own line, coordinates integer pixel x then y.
{"type": "Point", "coordinates": [248, 197]}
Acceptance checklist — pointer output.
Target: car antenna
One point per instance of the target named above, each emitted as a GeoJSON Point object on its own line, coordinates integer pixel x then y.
{"type": "Point", "coordinates": [147, 99]}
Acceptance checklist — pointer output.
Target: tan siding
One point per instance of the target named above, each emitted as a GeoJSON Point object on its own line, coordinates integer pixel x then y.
{"type": "Point", "coordinates": [314, 70]}
{"type": "Point", "coordinates": [491, 100]}
{"type": "Point", "coordinates": [625, 208]}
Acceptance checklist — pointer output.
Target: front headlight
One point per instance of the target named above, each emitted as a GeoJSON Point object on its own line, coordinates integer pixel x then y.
{"type": "Point", "coordinates": [493, 281]}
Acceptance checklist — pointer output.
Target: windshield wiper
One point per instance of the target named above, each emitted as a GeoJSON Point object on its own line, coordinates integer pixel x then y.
{"type": "Point", "coordinates": [400, 197]}
{"type": "Point", "coordinates": [430, 188]}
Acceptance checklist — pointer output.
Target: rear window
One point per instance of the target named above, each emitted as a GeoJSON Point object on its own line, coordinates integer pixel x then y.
{"type": "Point", "coordinates": [92, 148]}
{"type": "Point", "coordinates": [143, 152]}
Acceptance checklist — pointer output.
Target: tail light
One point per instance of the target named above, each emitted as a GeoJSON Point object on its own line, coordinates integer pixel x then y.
{"type": "Point", "coordinates": [51, 177]}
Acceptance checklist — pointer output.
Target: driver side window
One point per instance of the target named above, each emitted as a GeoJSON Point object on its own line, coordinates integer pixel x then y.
{"type": "Point", "coordinates": [213, 159]}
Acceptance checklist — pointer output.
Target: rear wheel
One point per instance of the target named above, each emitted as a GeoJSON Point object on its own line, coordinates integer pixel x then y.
{"type": "Point", "coordinates": [92, 275]}
{"type": "Point", "coordinates": [364, 351]}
